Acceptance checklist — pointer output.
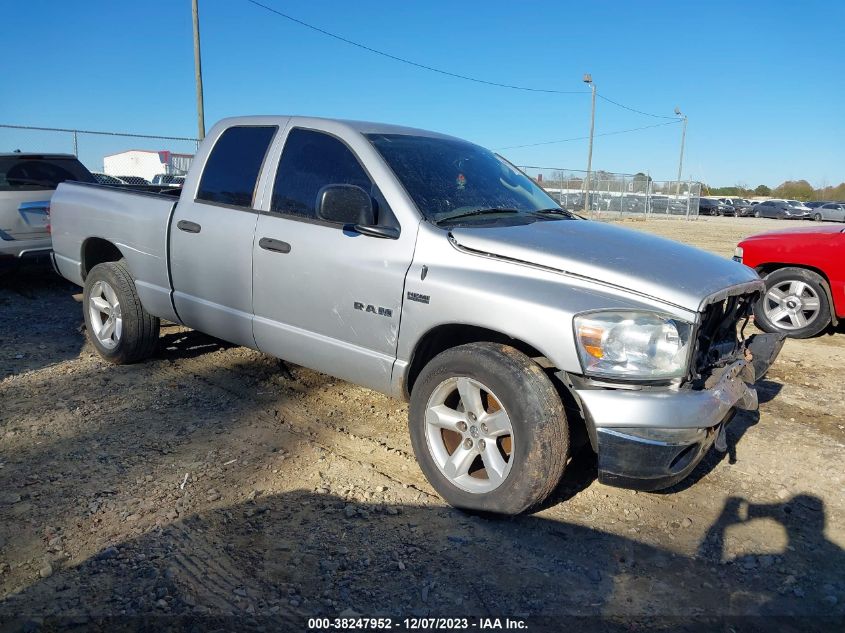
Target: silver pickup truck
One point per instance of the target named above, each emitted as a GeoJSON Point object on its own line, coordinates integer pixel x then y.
{"type": "Point", "coordinates": [428, 268]}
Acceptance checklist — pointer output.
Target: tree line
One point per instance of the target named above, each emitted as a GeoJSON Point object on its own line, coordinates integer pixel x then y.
{"type": "Point", "coordinates": [791, 189]}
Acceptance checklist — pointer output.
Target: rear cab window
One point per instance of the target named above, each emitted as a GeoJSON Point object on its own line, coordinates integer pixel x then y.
{"type": "Point", "coordinates": [40, 172]}
{"type": "Point", "coordinates": [234, 164]}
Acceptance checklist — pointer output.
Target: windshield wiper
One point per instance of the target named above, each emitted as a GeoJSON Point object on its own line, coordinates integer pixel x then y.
{"type": "Point", "coordinates": [466, 214]}
{"type": "Point", "coordinates": [558, 211]}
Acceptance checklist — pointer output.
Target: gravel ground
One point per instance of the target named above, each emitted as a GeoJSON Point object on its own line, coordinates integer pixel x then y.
{"type": "Point", "coordinates": [221, 485]}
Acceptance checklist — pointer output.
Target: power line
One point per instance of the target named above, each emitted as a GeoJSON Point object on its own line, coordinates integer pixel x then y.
{"type": "Point", "coordinates": [62, 129]}
{"type": "Point", "coordinates": [404, 60]}
{"type": "Point", "coordinates": [413, 63]}
{"type": "Point", "coordinates": [616, 103]}
{"type": "Point", "coordinates": [582, 138]}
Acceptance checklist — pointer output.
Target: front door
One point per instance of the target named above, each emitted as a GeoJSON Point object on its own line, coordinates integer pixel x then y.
{"type": "Point", "coordinates": [325, 296]}
{"type": "Point", "coordinates": [211, 236]}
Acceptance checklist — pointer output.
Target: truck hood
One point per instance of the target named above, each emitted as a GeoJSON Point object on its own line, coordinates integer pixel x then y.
{"type": "Point", "coordinates": [656, 267]}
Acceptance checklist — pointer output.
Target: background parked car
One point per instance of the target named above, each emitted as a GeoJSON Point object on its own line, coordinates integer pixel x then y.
{"type": "Point", "coordinates": [800, 206]}
{"type": "Point", "coordinates": [27, 182]}
{"type": "Point", "coordinates": [815, 203]}
{"type": "Point", "coordinates": [134, 180]}
{"type": "Point", "coordinates": [711, 206]}
{"type": "Point", "coordinates": [834, 211]}
{"type": "Point", "coordinates": [742, 206]}
{"type": "Point", "coordinates": [105, 179]}
{"type": "Point", "coordinates": [804, 273]}
{"type": "Point", "coordinates": [168, 180]}
{"type": "Point", "coordinates": [780, 210]}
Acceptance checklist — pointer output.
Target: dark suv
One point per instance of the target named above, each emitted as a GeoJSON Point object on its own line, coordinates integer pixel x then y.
{"type": "Point", "coordinates": [709, 206]}
{"type": "Point", "coordinates": [742, 206]}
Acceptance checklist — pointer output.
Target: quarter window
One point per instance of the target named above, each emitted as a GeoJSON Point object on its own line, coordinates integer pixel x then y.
{"type": "Point", "coordinates": [231, 171]}
{"type": "Point", "coordinates": [311, 160]}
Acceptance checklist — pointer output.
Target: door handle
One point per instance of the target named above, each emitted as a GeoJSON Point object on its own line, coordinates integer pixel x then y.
{"type": "Point", "coordinates": [188, 226]}
{"type": "Point", "coordinates": [277, 246]}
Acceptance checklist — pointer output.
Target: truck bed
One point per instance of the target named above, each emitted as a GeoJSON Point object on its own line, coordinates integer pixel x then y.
{"type": "Point", "coordinates": [136, 222]}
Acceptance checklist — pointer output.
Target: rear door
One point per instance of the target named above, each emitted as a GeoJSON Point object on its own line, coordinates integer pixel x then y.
{"type": "Point", "coordinates": [325, 296]}
{"type": "Point", "coordinates": [211, 236]}
{"type": "Point", "coordinates": [833, 211]}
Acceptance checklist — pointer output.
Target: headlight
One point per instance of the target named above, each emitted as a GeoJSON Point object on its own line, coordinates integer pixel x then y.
{"type": "Point", "coordinates": [632, 345]}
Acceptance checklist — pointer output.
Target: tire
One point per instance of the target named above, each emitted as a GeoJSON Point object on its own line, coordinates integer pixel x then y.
{"type": "Point", "coordinates": [531, 459]}
{"type": "Point", "coordinates": [756, 214]}
{"type": "Point", "coordinates": [777, 311]}
{"type": "Point", "coordinates": [817, 217]}
{"type": "Point", "coordinates": [110, 297]}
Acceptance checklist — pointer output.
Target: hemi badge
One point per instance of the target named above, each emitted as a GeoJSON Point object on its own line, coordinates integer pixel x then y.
{"type": "Point", "coordinates": [416, 296]}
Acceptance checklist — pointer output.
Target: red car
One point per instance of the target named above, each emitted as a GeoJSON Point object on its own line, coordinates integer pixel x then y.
{"type": "Point", "coordinates": [804, 271]}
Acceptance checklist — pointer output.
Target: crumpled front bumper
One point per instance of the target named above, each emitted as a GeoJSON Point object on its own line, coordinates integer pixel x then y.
{"type": "Point", "coordinates": [651, 439]}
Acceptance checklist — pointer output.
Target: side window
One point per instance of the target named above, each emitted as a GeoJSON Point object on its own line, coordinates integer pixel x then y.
{"type": "Point", "coordinates": [231, 170]}
{"type": "Point", "coordinates": [311, 160]}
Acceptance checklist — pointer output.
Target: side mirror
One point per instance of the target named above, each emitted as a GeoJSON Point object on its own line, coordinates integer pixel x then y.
{"type": "Point", "coordinates": [345, 204]}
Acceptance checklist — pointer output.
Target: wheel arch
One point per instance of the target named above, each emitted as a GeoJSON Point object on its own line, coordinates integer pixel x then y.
{"type": "Point", "coordinates": [97, 250]}
{"type": "Point", "coordinates": [770, 267]}
{"type": "Point", "coordinates": [445, 336]}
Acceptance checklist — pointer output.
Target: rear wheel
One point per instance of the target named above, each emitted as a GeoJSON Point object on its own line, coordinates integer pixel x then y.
{"type": "Point", "coordinates": [488, 428]}
{"type": "Point", "coordinates": [118, 327]}
{"type": "Point", "coordinates": [795, 303]}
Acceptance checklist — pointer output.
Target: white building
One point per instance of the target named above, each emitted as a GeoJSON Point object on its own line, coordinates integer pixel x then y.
{"type": "Point", "coordinates": [146, 163]}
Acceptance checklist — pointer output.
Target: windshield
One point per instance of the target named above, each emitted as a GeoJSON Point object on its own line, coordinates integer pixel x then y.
{"type": "Point", "coordinates": [795, 203]}
{"type": "Point", "coordinates": [450, 178]}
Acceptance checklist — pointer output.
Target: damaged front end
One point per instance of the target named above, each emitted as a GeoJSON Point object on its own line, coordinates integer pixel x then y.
{"type": "Point", "coordinates": [722, 349]}
{"type": "Point", "coordinates": [649, 438]}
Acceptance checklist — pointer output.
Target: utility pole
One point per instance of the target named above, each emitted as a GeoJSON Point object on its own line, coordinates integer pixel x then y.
{"type": "Point", "coordinates": [683, 139]}
{"type": "Point", "coordinates": [588, 79]}
{"type": "Point", "coordinates": [198, 71]}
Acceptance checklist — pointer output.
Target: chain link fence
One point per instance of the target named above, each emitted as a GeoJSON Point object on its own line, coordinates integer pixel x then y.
{"type": "Point", "coordinates": [117, 157]}
{"type": "Point", "coordinates": [613, 195]}
{"type": "Point", "coordinates": [113, 157]}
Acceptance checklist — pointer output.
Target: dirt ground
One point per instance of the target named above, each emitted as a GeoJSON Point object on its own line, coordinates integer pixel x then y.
{"type": "Point", "coordinates": [219, 484]}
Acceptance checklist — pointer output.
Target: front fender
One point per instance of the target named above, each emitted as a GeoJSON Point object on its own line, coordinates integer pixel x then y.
{"type": "Point", "coordinates": [532, 304]}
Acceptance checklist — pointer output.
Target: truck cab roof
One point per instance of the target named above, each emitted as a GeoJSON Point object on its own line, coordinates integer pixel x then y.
{"type": "Point", "coordinates": [362, 127]}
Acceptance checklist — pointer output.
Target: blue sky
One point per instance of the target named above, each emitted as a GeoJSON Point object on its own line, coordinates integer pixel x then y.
{"type": "Point", "coordinates": [763, 83]}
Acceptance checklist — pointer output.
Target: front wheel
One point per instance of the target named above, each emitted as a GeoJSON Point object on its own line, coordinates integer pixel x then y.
{"type": "Point", "coordinates": [756, 214]}
{"type": "Point", "coordinates": [488, 428]}
{"type": "Point", "coordinates": [118, 327]}
{"type": "Point", "coordinates": [795, 303]}
{"type": "Point", "coordinates": [817, 217]}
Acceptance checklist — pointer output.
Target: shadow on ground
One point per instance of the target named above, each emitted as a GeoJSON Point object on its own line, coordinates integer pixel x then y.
{"type": "Point", "coordinates": [177, 342]}
{"type": "Point", "coordinates": [285, 557]}
{"type": "Point", "coordinates": [40, 322]}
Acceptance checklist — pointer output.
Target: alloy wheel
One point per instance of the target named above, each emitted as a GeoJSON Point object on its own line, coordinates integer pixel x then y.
{"type": "Point", "coordinates": [791, 305]}
{"type": "Point", "coordinates": [105, 314]}
{"type": "Point", "coordinates": [469, 435]}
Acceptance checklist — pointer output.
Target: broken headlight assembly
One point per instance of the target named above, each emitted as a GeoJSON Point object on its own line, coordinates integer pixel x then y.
{"type": "Point", "coordinates": [632, 345]}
